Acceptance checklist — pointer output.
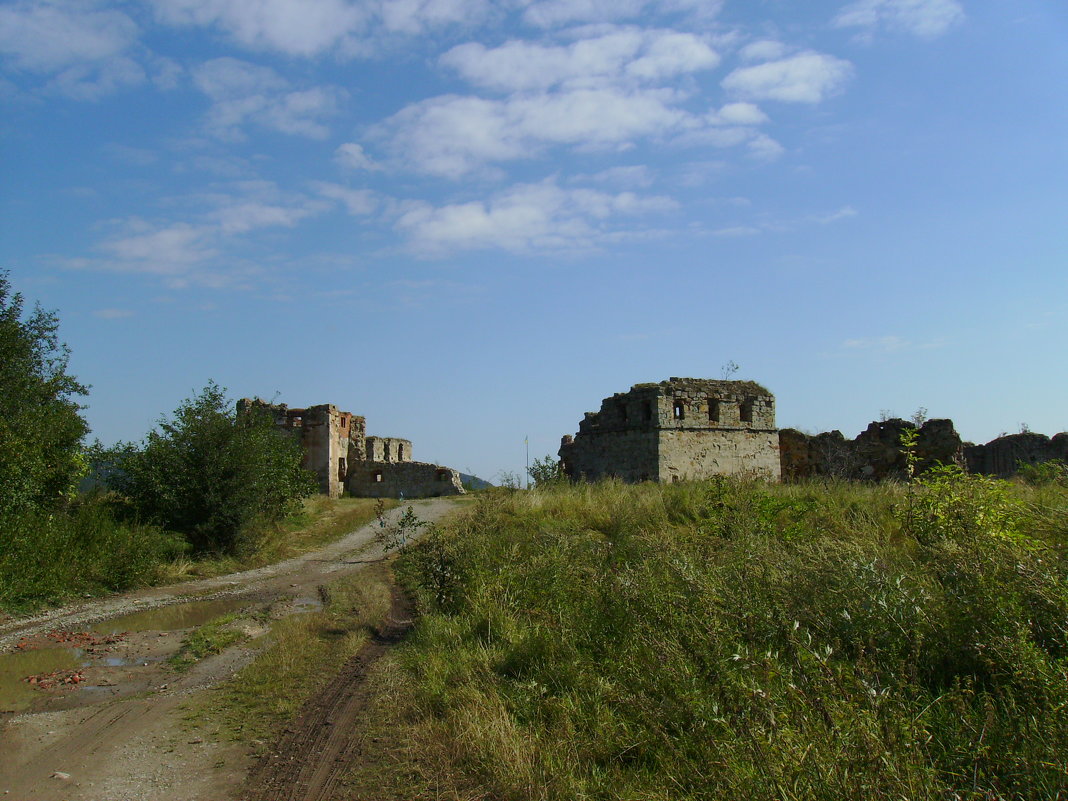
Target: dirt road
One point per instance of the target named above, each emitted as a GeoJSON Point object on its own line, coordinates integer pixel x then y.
{"type": "Point", "coordinates": [110, 728]}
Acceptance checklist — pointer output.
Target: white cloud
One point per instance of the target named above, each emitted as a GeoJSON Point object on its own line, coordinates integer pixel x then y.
{"type": "Point", "coordinates": [352, 155]}
{"type": "Point", "coordinates": [843, 213]}
{"type": "Point", "coordinates": [764, 50]}
{"type": "Point", "coordinates": [311, 28]}
{"type": "Point", "coordinates": [50, 36]}
{"type": "Point", "coordinates": [358, 202]}
{"type": "Point", "coordinates": [452, 135]}
{"type": "Point", "coordinates": [637, 175]}
{"type": "Point", "coordinates": [805, 78]}
{"type": "Point", "coordinates": [625, 55]}
{"type": "Point", "coordinates": [924, 18]}
{"type": "Point", "coordinates": [294, 27]}
{"type": "Point", "coordinates": [242, 93]}
{"type": "Point", "coordinates": [93, 81]}
{"type": "Point", "coordinates": [164, 250]}
{"type": "Point", "coordinates": [553, 13]}
{"type": "Point", "coordinates": [85, 51]}
{"type": "Point", "coordinates": [525, 218]}
{"type": "Point", "coordinates": [198, 250]}
{"type": "Point", "coordinates": [417, 16]}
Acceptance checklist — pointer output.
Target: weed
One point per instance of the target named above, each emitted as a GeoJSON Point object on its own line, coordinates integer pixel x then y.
{"type": "Point", "coordinates": [727, 639]}
{"type": "Point", "coordinates": [212, 638]}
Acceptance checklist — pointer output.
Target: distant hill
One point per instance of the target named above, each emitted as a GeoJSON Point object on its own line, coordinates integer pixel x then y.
{"type": "Point", "coordinates": [473, 482]}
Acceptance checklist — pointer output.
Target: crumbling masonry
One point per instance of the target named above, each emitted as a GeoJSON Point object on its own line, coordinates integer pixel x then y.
{"type": "Point", "coordinates": [338, 450]}
{"type": "Point", "coordinates": [682, 428]}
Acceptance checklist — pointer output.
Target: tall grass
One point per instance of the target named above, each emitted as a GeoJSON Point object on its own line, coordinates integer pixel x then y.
{"type": "Point", "coordinates": [726, 639]}
{"type": "Point", "coordinates": [82, 550]}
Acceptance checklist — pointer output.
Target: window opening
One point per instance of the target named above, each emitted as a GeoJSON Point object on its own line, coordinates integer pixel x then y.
{"type": "Point", "coordinates": [377, 476]}
{"type": "Point", "coordinates": [713, 410]}
{"type": "Point", "coordinates": [745, 412]}
{"type": "Point", "coordinates": [680, 410]}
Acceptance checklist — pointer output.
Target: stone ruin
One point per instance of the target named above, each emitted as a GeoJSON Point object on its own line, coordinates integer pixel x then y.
{"type": "Point", "coordinates": [338, 450]}
{"type": "Point", "coordinates": [693, 428]}
{"type": "Point", "coordinates": [679, 429]}
{"type": "Point", "coordinates": [876, 453]}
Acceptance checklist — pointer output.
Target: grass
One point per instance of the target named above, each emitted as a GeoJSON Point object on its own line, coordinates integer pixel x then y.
{"type": "Point", "coordinates": [85, 550]}
{"type": "Point", "coordinates": [321, 520]}
{"type": "Point", "coordinates": [80, 551]}
{"type": "Point", "coordinates": [213, 637]}
{"type": "Point", "coordinates": [726, 639]}
{"type": "Point", "coordinates": [304, 652]}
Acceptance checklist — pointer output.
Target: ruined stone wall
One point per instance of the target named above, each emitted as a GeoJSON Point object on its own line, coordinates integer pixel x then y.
{"type": "Point", "coordinates": [876, 453]}
{"type": "Point", "coordinates": [676, 429]}
{"type": "Point", "coordinates": [389, 449]}
{"type": "Point", "coordinates": [1001, 457]}
{"type": "Point", "coordinates": [412, 479]}
{"type": "Point", "coordinates": [325, 437]}
{"type": "Point", "coordinates": [630, 455]}
{"type": "Point", "coordinates": [686, 455]}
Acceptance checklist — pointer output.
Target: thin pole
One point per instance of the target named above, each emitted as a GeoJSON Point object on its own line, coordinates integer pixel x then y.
{"type": "Point", "coordinates": [526, 441]}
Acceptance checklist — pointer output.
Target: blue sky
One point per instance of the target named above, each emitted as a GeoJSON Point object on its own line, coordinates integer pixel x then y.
{"type": "Point", "coordinates": [470, 220]}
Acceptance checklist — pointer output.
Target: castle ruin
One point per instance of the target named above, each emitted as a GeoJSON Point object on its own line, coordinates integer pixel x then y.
{"type": "Point", "coordinates": [339, 452]}
{"type": "Point", "coordinates": [679, 429]}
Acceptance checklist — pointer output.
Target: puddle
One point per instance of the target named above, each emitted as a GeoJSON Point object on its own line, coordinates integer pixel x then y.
{"type": "Point", "coordinates": [307, 604]}
{"type": "Point", "coordinates": [170, 618]}
{"type": "Point", "coordinates": [16, 694]}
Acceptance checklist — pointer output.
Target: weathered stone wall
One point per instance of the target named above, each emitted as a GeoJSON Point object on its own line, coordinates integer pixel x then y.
{"type": "Point", "coordinates": [389, 449]}
{"type": "Point", "coordinates": [630, 455]}
{"type": "Point", "coordinates": [1002, 456]}
{"type": "Point", "coordinates": [676, 429]}
{"type": "Point", "coordinates": [876, 453]}
{"type": "Point", "coordinates": [412, 479]}
{"type": "Point", "coordinates": [686, 455]}
{"type": "Point", "coordinates": [337, 449]}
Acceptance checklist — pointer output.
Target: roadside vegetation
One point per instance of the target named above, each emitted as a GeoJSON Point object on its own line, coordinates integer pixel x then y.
{"type": "Point", "coordinates": [726, 639]}
{"type": "Point", "coordinates": [303, 652]}
{"type": "Point", "coordinates": [207, 491]}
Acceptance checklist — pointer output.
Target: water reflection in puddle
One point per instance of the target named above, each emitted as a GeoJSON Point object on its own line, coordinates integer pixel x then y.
{"type": "Point", "coordinates": [170, 618]}
{"type": "Point", "coordinates": [15, 693]}
{"type": "Point", "coordinates": [307, 604]}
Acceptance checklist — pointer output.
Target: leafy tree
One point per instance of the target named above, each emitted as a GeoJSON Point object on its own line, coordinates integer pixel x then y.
{"type": "Point", "coordinates": [546, 472]}
{"type": "Point", "coordinates": [210, 473]}
{"type": "Point", "coordinates": [41, 429]}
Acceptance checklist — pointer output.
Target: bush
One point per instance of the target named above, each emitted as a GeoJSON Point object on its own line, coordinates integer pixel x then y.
{"type": "Point", "coordinates": [726, 639]}
{"type": "Point", "coordinates": [46, 557]}
{"type": "Point", "coordinates": [211, 474]}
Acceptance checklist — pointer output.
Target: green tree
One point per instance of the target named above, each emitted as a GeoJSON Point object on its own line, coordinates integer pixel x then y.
{"type": "Point", "coordinates": [212, 474]}
{"type": "Point", "coordinates": [41, 428]}
{"type": "Point", "coordinates": [546, 472]}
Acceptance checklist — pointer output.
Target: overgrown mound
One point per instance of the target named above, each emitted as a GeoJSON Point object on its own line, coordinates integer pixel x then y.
{"type": "Point", "coordinates": [725, 639]}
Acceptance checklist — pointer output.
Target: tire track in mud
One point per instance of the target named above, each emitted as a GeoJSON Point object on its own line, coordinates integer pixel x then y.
{"type": "Point", "coordinates": [316, 750]}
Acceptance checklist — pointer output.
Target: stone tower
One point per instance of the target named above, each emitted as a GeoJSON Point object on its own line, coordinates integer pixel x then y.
{"type": "Point", "coordinates": [682, 428]}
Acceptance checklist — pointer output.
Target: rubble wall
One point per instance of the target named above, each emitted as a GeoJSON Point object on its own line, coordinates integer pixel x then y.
{"type": "Point", "coordinates": [1001, 457]}
{"type": "Point", "coordinates": [410, 479]}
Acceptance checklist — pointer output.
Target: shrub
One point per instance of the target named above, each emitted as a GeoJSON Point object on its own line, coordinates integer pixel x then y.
{"type": "Point", "coordinates": [210, 474]}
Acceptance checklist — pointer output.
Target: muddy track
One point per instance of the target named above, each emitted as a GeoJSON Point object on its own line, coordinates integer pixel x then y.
{"type": "Point", "coordinates": [120, 734]}
{"type": "Point", "coordinates": [319, 747]}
